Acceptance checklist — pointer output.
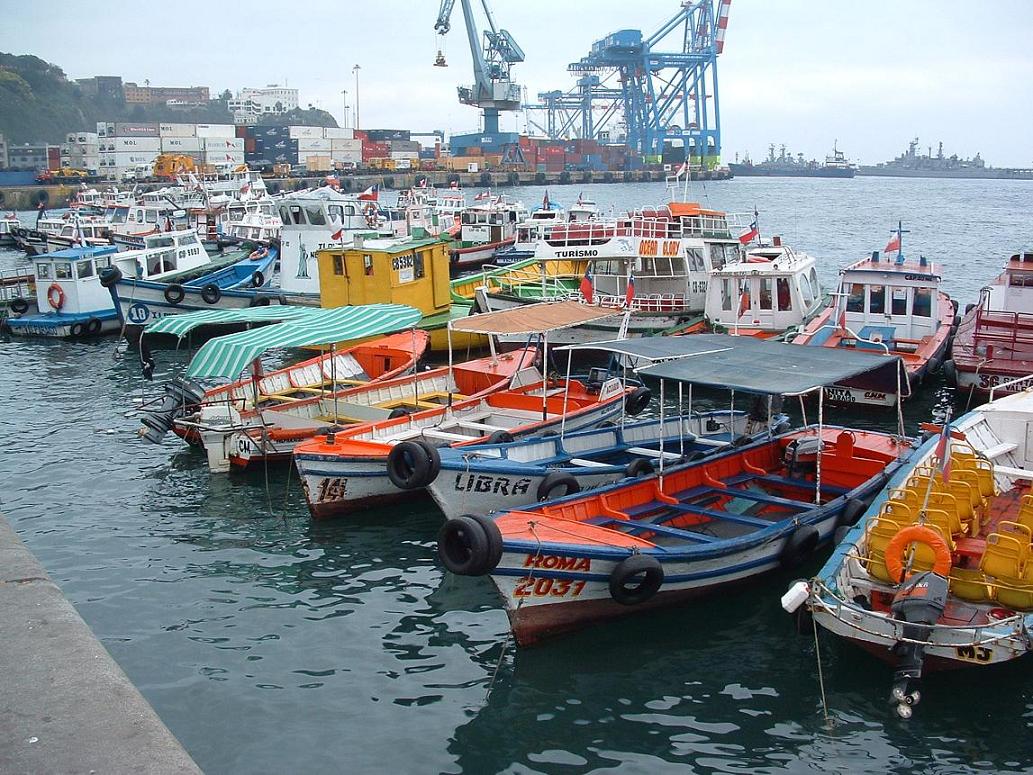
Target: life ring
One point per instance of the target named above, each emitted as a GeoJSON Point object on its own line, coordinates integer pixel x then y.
{"type": "Point", "coordinates": [464, 547]}
{"type": "Point", "coordinates": [211, 293]}
{"type": "Point", "coordinates": [917, 534]}
{"type": "Point", "coordinates": [174, 293]}
{"type": "Point", "coordinates": [413, 464]}
{"type": "Point", "coordinates": [258, 253]}
{"type": "Point", "coordinates": [257, 279]}
{"type": "Point", "coordinates": [637, 400]}
{"type": "Point", "coordinates": [93, 326]}
{"type": "Point", "coordinates": [55, 296]}
{"type": "Point", "coordinates": [799, 546]}
{"type": "Point", "coordinates": [636, 579]}
{"type": "Point", "coordinates": [19, 306]}
{"type": "Point", "coordinates": [639, 467]}
{"type": "Point", "coordinates": [553, 481]}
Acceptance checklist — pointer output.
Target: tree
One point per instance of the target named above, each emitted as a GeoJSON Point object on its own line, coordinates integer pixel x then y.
{"type": "Point", "coordinates": [226, 95]}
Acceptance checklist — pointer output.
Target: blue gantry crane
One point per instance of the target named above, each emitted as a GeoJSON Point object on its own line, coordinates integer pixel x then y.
{"type": "Point", "coordinates": [493, 89]}
{"type": "Point", "coordinates": [663, 87]}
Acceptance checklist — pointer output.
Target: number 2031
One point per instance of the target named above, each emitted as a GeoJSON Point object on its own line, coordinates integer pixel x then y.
{"type": "Point", "coordinates": [531, 587]}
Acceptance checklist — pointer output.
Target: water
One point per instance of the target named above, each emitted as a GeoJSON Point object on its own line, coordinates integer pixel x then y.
{"type": "Point", "coordinates": [270, 644]}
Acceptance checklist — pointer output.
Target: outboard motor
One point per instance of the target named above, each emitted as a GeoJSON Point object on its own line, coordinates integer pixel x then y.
{"type": "Point", "coordinates": [801, 455]}
{"type": "Point", "coordinates": [919, 603]}
{"type": "Point", "coordinates": [179, 395]}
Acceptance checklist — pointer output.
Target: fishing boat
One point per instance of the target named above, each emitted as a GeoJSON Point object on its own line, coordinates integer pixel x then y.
{"type": "Point", "coordinates": [536, 228]}
{"type": "Point", "coordinates": [938, 573]}
{"type": "Point", "coordinates": [890, 308]}
{"type": "Point", "coordinates": [236, 280]}
{"type": "Point", "coordinates": [487, 226]}
{"type": "Point", "coordinates": [17, 291]}
{"type": "Point", "coordinates": [773, 292]}
{"type": "Point", "coordinates": [256, 220]}
{"type": "Point", "coordinates": [690, 528]}
{"type": "Point", "coordinates": [550, 280]}
{"type": "Point", "coordinates": [129, 224]}
{"type": "Point", "coordinates": [78, 230]}
{"type": "Point", "coordinates": [363, 465]}
{"type": "Point", "coordinates": [485, 478]}
{"type": "Point", "coordinates": [994, 341]}
{"type": "Point", "coordinates": [33, 240]}
{"type": "Point", "coordinates": [288, 404]}
{"type": "Point", "coordinates": [8, 223]}
{"type": "Point", "coordinates": [77, 302]}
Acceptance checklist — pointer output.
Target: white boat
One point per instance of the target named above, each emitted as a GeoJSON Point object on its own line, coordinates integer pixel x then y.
{"type": "Point", "coordinates": [80, 229]}
{"type": "Point", "coordinates": [487, 226]}
{"type": "Point", "coordinates": [8, 223]}
{"type": "Point", "coordinates": [536, 228]}
{"type": "Point", "coordinates": [257, 220]}
{"type": "Point", "coordinates": [965, 598]}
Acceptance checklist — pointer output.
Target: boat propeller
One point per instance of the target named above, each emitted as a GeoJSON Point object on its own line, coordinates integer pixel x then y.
{"type": "Point", "coordinates": [919, 603]}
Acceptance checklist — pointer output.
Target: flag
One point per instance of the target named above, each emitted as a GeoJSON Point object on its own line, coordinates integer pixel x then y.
{"type": "Point", "coordinates": [545, 200]}
{"type": "Point", "coordinates": [750, 234]}
{"type": "Point", "coordinates": [454, 184]}
{"type": "Point", "coordinates": [229, 157]}
{"type": "Point", "coordinates": [893, 244]}
{"type": "Point", "coordinates": [943, 452]}
{"type": "Point", "coordinates": [369, 195]}
{"type": "Point", "coordinates": [587, 284]}
{"type": "Point", "coordinates": [482, 196]}
{"type": "Point", "coordinates": [744, 298]}
{"type": "Point", "coordinates": [580, 201]}
{"type": "Point", "coordinates": [246, 187]}
{"type": "Point", "coordinates": [629, 294]}
{"type": "Point", "coordinates": [682, 169]}
{"type": "Point", "coordinates": [337, 234]}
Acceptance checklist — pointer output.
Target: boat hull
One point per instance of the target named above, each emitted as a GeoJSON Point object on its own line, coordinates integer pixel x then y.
{"type": "Point", "coordinates": [60, 325]}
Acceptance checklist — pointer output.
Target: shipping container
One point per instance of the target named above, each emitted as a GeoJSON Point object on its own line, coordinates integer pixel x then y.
{"type": "Point", "coordinates": [306, 132]}
{"type": "Point", "coordinates": [351, 157]}
{"type": "Point", "coordinates": [313, 145]}
{"type": "Point", "coordinates": [346, 145]}
{"type": "Point", "coordinates": [337, 133]}
{"type": "Point", "coordinates": [127, 158]}
{"type": "Point", "coordinates": [223, 157]}
{"type": "Point", "coordinates": [141, 144]}
{"type": "Point", "coordinates": [359, 134]}
{"type": "Point", "coordinates": [177, 130]}
{"type": "Point", "coordinates": [215, 130]}
{"type": "Point", "coordinates": [404, 155]}
{"type": "Point", "coordinates": [222, 143]}
{"type": "Point", "coordinates": [127, 129]}
{"type": "Point", "coordinates": [181, 144]}
{"type": "Point", "coordinates": [250, 145]}
{"type": "Point", "coordinates": [243, 131]}
{"type": "Point", "coordinates": [380, 135]}
{"type": "Point", "coordinates": [315, 162]}
{"type": "Point", "coordinates": [403, 145]}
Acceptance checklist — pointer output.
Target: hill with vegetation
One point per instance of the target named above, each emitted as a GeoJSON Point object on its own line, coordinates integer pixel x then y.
{"type": "Point", "coordinates": [38, 103]}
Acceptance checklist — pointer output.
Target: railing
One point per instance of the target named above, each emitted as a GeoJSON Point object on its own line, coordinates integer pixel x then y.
{"type": "Point", "coordinates": [648, 226]}
{"type": "Point", "coordinates": [14, 285]}
{"type": "Point", "coordinates": [1028, 378]}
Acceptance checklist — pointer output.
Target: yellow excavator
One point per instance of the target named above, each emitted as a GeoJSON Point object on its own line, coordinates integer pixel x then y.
{"type": "Point", "coordinates": [170, 165]}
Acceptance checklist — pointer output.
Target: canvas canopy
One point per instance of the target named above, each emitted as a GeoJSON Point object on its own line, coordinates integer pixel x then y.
{"type": "Point", "coordinates": [532, 318]}
{"type": "Point", "coordinates": [771, 368]}
{"type": "Point", "coordinates": [228, 356]}
{"type": "Point", "coordinates": [646, 348]}
{"type": "Point", "coordinates": [181, 325]}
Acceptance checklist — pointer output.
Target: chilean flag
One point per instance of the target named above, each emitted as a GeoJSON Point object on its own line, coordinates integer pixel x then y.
{"type": "Point", "coordinates": [482, 196]}
{"type": "Point", "coordinates": [682, 169]}
{"type": "Point", "coordinates": [587, 285]}
{"type": "Point", "coordinates": [943, 451]}
{"type": "Point", "coordinates": [246, 187]}
{"type": "Point", "coordinates": [629, 294]}
{"type": "Point", "coordinates": [545, 201]}
{"type": "Point", "coordinates": [337, 234]}
{"type": "Point", "coordinates": [893, 244]}
{"type": "Point", "coordinates": [750, 234]}
{"type": "Point", "coordinates": [369, 195]}
{"type": "Point", "coordinates": [744, 298]}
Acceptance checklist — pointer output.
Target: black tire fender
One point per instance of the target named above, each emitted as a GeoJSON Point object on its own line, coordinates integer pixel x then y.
{"type": "Point", "coordinates": [110, 275]}
{"type": "Point", "coordinates": [77, 329]}
{"type": "Point", "coordinates": [636, 579]}
{"type": "Point", "coordinates": [639, 467]}
{"type": "Point", "coordinates": [211, 293]}
{"type": "Point", "coordinates": [260, 301]}
{"type": "Point", "coordinates": [398, 411]}
{"type": "Point", "coordinates": [257, 279]}
{"type": "Point", "coordinates": [637, 400]}
{"type": "Point", "coordinates": [553, 481]}
{"type": "Point", "coordinates": [950, 371]}
{"type": "Point", "coordinates": [500, 437]}
{"type": "Point", "coordinates": [494, 536]}
{"type": "Point", "coordinates": [19, 306]}
{"type": "Point", "coordinates": [409, 465]}
{"type": "Point", "coordinates": [852, 511]}
{"type": "Point", "coordinates": [175, 293]}
{"type": "Point", "coordinates": [840, 534]}
{"type": "Point", "coordinates": [969, 307]}
{"type": "Point", "coordinates": [799, 546]}
{"type": "Point", "coordinates": [93, 326]}
{"type": "Point", "coordinates": [463, 547]}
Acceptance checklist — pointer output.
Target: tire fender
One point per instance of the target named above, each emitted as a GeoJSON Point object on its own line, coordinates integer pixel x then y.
{"type": "Point", "coordinates": [553, 481]}
{"type": "Point", "coordinates": [799, 546]}
{"type": "Point", "coordinates": [211, 293]}
{"type": "Point", "coordinates": [636, 579]}
{"type": "Point", "coordinates": [463, 547]}
{"type": "Point", "coordinates": [637, 400]}
{"type": "Point", "coordinates": [639, 467]}
{"type": "Point", "coordinates": [174, 293]}
{"type": "Point", "coordinates": [409, 465]}
{"type": "Point", "coordinates": [852, 511]}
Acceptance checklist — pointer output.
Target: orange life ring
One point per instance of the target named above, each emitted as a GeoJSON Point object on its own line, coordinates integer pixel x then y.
{"type": "Point", "coordinates": [917, 534]}
{"type": "Point", "coordinates": [55, 296]}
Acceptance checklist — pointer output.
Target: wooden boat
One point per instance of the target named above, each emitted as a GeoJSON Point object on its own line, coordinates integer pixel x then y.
{"type": "Point", "coordinates": [485, 228]}
{"type": "Point", "coordinates": [965, 598]}
{"type": "Point", "coordinates": [362, 465]}
{"type": "Point", "coordinates": [994, 342]}
{"type": "Point", "coordinates": [8, 224]}
{"type": "Point", "coordinates": [889, 308]}
{"type": "Point", "coordinates": [688, 529]}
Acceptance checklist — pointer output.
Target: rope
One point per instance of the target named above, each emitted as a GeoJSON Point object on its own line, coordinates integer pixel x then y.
{"type": "Point", "coordinates": [821, 675]}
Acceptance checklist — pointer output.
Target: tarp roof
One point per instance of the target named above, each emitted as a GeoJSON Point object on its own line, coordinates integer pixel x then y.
{"type": "Point", "coordinates": [181, 325]}
{"type": "Point", "coordinates": [228, 356]}
{"type": "Point", "coordinates": [532, 318]}
{"type": "Point", "coordinates": [647, 348]}
{"type": "Point", "coordinates": [767, 367]}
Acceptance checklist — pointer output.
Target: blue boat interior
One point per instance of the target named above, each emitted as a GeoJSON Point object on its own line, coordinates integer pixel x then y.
{"type": "Point", "coordinates": [240, 274]}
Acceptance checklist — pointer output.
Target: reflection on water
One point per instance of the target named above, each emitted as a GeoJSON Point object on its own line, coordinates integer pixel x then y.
{"type": "Point", "coordinates": [271, 643]}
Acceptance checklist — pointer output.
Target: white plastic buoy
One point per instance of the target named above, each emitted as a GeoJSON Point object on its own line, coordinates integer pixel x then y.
{"type": "Point", "coordinates": [796, 596]}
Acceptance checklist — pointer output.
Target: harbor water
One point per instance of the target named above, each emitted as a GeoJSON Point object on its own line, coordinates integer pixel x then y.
{"type": "Point", "coordinates": [269, 643]}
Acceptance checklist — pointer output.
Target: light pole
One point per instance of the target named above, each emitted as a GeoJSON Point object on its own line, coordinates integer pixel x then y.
{"type": "Point", "coordinates": [356, 71]}
{"type": "Point", "coordinates": [344, 98]}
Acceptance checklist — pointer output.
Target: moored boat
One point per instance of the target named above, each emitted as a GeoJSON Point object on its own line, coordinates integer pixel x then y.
{"type": "Point", "coordinates": [994, 341]}
{"type": "Point", "coordinates": [938, 573]}
{"type": "Point", "coordinates": [888, 308]}
{"type": "Point", "coordinates": [8, 223]}
{"type": "Point", "coordinates": [486, 227]}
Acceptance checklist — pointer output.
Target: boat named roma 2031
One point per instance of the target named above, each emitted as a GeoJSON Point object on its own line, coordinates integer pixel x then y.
{"type": "Point", "coordinates": [939, 572]}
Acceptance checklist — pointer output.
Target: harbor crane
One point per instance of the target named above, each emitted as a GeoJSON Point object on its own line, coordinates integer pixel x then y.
{"type": "Point", "coordinates": [661, 95]}
{"type": "Point", "coordinates": [493, 89]}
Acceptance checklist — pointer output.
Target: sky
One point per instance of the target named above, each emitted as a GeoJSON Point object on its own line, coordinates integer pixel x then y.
{"type": "Point", "coordinates": [870, 75]}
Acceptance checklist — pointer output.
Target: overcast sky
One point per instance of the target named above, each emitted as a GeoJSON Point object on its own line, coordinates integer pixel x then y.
{"type": "Point", "coordinates": [870, 74]}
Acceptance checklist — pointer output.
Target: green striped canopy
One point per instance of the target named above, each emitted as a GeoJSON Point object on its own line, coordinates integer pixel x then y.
{"type": "Point", "coordinates": [228, 356]}
{"type": "Point", "coordinates": [181, 325]}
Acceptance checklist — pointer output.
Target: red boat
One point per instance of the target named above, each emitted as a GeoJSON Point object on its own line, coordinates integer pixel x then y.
{"type": "Point", "coordinates": [994, 343]}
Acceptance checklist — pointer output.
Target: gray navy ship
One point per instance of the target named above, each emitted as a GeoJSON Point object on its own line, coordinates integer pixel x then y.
{"type": "Point", "coordinates": [785, 164]}
{"type": "Point", "coordinates": [912, 164]}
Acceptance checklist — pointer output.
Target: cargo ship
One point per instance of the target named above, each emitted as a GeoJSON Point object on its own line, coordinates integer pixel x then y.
{"type": "Point", "coordinates": [913, 164]}
{"type": "Point", "coordinates": [836, 165]}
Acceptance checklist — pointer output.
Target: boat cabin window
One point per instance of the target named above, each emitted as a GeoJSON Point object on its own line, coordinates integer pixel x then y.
{"type": "Point", "coordinates": [367, 264]}
{"type": "Point", "coordinates": [765, 293]}
{"type": "Point", "coordinates": [806, 291]}
{"type": "Point", "coordinates": [336, 213]}
{"type": "Point", "coordinates": [854, 297]}
{"type": "Point", "coordinates": [726, 294]}
{"type": "Point", "coordinates": [922, 306]}
{"type": "Point", "coordinates": [63, 270]}
{"type": "Point", "coordinates": [292, 214]}
{"type": "Point", "coordinates": [613, 268]}
{"type": "Point", "coordinates": [661, 266]}
{"type": "Point", "coordinates": [717, 256]}
{"type": "Point", "coordinates": [151, 216]}
{"type": "Point", "coordinates": [899, 302]}
{"type": "Point", "coordinates": [418, 268]}
{"type": "Point", "coordinates": [85, 269]}
{"type": "Point", "coordinates": [160, 242]}
{"type": "Point", "coordinates": [876, 299]}
{"type": "Point", "coordinates": [814, 282]}
{"type": "Point", "coordinates": [785, 297]}
{"type": "Point", "coordinates": [694, 258]}
{"type": "Point", "coordinates": [339, 266]}
{"type": "Point", "coordinates": [103, 262]}
{"type": "Point", "coordinates": [315, 215]}
{"type": "Point", "coordinates": [43, 271]}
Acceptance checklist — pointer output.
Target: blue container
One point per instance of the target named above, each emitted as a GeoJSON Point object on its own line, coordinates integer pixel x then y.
{"type": "Point", "coordinates": [17, 177]}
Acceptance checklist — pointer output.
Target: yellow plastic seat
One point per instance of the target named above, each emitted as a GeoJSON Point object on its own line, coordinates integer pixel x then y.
{"type": "Point", "coordinates": [942, 521]}
{"type": "Point", "coordinates": [895, 510]}
{"type": "Point", "coordinates": [1004, 557]}
{"type": "Point", "coordinates": [877, 567]}
{"type": "Point", "coordinates": [1025, 516]}
{"type": "Point", "coordinates": [970, 584]}
{"type": "Point", "coordinates": [1017, 594]}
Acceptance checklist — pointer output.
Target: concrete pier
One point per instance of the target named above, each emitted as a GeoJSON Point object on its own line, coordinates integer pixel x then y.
{"type": "Point", "coordinates": [65, 705]}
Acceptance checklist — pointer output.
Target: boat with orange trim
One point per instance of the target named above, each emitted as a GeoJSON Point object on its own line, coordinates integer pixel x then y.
{"type": "Point", "coordinates": [888, 308]}
{"type": "Point", "coordinates": [938, 573]}
{"type": "Point", "coordinates": [994, 341]}
{"type": "Point", "coordinates": [691, 528]}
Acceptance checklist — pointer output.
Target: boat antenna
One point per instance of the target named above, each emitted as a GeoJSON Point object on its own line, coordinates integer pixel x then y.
{"type": "Point", "coordinates": [898, 233]}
